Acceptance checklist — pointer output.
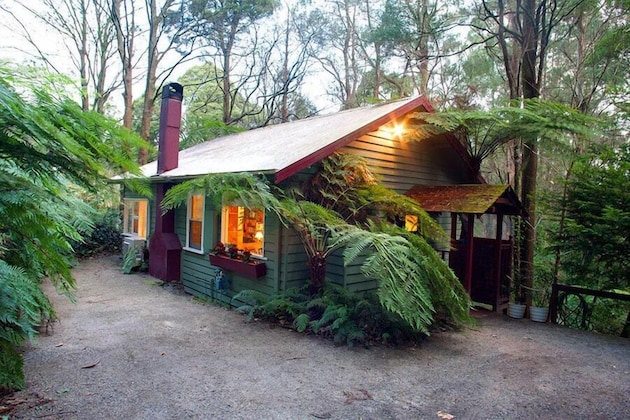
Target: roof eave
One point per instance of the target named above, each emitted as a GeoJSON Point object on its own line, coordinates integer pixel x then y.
{"type": "Point", "coordinates": [329, 149]}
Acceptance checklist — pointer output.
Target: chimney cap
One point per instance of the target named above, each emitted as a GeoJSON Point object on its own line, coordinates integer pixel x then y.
{"type": "Point", "coordinates": [173, 90]}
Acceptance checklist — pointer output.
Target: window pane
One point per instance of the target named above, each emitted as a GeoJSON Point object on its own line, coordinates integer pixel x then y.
{"type": "Point", "coordinates": [196, 207]}
{"type": "Point", "coordinates": [143, 221]}
{"type": "Point", "coordinates": [194, 234]}
{"type": "Point", "coordinates": [243, 228]}
{"type": "Point", "coordinates": [135, 217]}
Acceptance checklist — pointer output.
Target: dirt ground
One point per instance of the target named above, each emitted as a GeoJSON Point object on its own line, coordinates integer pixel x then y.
{"type": "Point", "coordinates": [132, 349]}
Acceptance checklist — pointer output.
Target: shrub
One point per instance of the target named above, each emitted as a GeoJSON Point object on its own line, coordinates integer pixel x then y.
{"type": "Point", "coordinates": [104, 237]}
{"type": "Point", "coordinates": [335, 313]}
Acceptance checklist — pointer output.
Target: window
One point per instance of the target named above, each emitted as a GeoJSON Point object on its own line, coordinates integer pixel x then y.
{"type": "Point", "coordinates": [243, 228]}
{"type": "Point", "coordinates": [136, 217]}
{"type": "Point", "coordinates": [194, 225]}
{"type": "Point", "coordinates": [411, 223]}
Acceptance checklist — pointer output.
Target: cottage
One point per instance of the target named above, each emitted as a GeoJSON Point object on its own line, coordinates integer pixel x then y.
{"type": "Point", "coordinates": [181, 239]}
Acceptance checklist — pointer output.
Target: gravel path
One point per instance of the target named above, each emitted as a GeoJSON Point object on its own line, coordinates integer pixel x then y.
{"type": "Point", "coordinates": [131, 349]}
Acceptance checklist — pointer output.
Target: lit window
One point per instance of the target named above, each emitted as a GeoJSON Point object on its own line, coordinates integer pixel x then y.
{"type": "Point", "coordinates": [136, 217]}
{"type": "Point", "coordinates": [194, 225]}
{"type": "Point", "coordinates": [243, 228]}
{"type": "Point", "coordinates": [411, 223]}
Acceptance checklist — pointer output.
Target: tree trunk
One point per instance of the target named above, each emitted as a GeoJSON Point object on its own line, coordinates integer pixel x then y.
{"type": "Point", "coordinates": [531, 89]}
{"type": "Point", "coordinates": [125, 46]}
{"type": "Point", "coordinates": [83, 60]}
{"type": "Point", "coordinates": [317, 268]}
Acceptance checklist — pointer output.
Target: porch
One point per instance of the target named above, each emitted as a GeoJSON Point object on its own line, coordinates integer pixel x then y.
{"type": "Point", "coordinates": [481, 252]}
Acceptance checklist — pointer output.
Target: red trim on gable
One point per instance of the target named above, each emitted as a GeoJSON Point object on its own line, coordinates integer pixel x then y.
{"type": "Point", "coordinates": [331, 148]}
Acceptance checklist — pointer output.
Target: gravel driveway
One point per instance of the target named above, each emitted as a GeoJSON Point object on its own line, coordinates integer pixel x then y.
{"type": "Point", "coordinates": [131, 349]}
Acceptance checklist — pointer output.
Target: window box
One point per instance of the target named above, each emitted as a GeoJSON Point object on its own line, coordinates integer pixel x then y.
{"type": "Point", "coordinates": [246, 269]}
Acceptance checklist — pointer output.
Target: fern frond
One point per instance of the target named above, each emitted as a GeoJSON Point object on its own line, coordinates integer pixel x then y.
{"type": "Point", "coordinates": [301, 322]}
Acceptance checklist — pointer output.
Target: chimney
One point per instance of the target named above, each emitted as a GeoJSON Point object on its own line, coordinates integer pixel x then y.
{"type": "Point", "coordinates": [170, 122]}
{"type": "Point", "coordinates": [164, 247]}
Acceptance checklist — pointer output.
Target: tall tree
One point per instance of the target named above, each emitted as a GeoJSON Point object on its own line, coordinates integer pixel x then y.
{"type": "Point", "coordinates": [149, 29]}
{"type": "Point", "coordinates": [333, 29]}
{"type": "Point", "coordinates": [229, 29]}
{"type": "Point", "coordinates": [87, 37]}
{"type": "Point", "coordinates": [286, 68]}
{"type": "Point", "coordinates": [123, 17]}
{"type": "Point", "coordinates": [523, 30]}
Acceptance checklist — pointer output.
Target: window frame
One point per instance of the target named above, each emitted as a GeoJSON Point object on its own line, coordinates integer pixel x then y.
{"type": "Point", "coordinates": [189, 219]}
{"type": "Point", "coordinates": [128, 205]}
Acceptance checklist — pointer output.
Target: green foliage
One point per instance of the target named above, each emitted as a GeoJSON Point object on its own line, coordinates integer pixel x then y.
{"type": "Point", "coordinates": [345, 317]}
{"type": "Point", "coordinates": [23, 306]}
{"type": "Point", "coordinates": [595, 243]}
{"type": "Point", "coordinates": [249, 301]}
{"type": "Point", "coordinates": [11, 364]}
{"type": "Point", "coordinates": [48, 146]}
{"type": "Point", "coordinates": [249, 190]}
{"type": "Point", "coordinates": [608, 316]}
{"type": "Point", "coordinates": [482, 132]}
{"type": "Point", "coordinates": [132, 259]}
{"type": "Point", "coordinates": [413, 281]}
{"type": "Point", "coordinates": [103, 237]}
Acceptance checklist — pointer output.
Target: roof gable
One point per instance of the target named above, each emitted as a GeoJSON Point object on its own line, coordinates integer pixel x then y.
{"type": "Point", "coordinates": [285, 149]}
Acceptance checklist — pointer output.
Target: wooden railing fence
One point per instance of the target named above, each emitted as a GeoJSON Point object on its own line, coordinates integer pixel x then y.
{"type": "Point", "coordinates": [559, 312]}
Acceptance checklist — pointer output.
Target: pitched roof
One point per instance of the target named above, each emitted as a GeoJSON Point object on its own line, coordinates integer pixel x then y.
{"type": "Point", "coordinates": [472, 198]}
{"type": "Point", "coordinates": [285, 149]}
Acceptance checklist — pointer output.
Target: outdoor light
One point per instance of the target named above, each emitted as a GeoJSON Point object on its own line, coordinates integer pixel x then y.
{"type": "Point", "coordinates": [398, 130]}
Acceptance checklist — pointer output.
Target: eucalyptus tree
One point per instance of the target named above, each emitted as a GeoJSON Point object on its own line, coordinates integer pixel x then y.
{"type": "Point", "coordinates": [411, 32]}
{"type": "Point", "coordinates": [333, 28]}
{"type": "Point", "coordinates": [87, 37]}
{"type": "Point", "coordinates": [230, 33]}
{"type": "Point", "coordinates": [203, 104]}
{"type": "Point", "coordinates": [149, 30]}
{"type": "Point", "coordinates": [522, 31]}
{"type": "Point", "coordinates": [287, 61]}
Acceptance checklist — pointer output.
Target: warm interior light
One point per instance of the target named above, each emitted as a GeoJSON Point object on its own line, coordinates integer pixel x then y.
{"type": "Point", "coordinates": [411, 223]}
{"type": "Point", "coordinates": [258, 236]}
{"type": "Point", "coordinates": [399, 130]}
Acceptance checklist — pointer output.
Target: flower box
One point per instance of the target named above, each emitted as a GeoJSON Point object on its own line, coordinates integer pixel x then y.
{"type": "Point", "coordinates": [246, 269]}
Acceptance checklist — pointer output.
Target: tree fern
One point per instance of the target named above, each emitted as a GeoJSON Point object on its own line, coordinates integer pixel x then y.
{"type": "Point", "coordinates": [48, 145]}
{"type": "Point", "coordinates": [482, 132]}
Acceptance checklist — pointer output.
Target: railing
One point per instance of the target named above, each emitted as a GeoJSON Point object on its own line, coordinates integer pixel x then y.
{"type": "Point", "coordinates": [575, 311]}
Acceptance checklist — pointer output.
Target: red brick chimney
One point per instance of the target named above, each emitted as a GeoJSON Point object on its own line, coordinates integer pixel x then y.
{"type": "Point", "coordinates": [164, 247]}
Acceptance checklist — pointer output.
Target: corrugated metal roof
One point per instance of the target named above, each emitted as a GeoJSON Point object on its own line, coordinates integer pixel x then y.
{"type": "Point", "coordinates": [472, 198]}
{"type": "Point", "coordinates": [285, 149]}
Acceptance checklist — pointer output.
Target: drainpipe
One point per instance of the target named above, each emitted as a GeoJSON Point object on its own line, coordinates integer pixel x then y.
{"type": "Point", "coordinates": [165, 248]}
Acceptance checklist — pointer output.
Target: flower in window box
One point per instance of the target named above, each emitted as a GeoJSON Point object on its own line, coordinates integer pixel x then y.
{"type": "Point", "coordinates": [247, 256]}
{"type": "Point", "coordinates": [233, 252]}
{"type": "Point", "coordinates": [219, 249]}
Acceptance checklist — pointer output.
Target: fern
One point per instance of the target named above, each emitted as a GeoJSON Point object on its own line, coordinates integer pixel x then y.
{"type": "Point", "coordinates": [130, 260]}
{"type": "Point", "coordinates": [23, 306]}
{"type": "Point", "coordinates": [248, 302]}
{"type": "Point", "coordinates": [301, 322]}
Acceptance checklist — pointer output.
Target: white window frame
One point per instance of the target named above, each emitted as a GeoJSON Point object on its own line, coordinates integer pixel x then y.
{"type": "Point", "coordinates": [224, 230]}
{"type": "Point", "coordinates": [128, 205]}
{"type": "Point", "coordinates": [190, 219]}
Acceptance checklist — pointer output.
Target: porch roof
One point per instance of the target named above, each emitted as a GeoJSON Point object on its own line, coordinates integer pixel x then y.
{"type": "Point", "coordinates": [470, 198]}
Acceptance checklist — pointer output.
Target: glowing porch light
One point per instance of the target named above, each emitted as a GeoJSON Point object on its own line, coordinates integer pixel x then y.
{"type": "Point", "coordinates": [398, 130]}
